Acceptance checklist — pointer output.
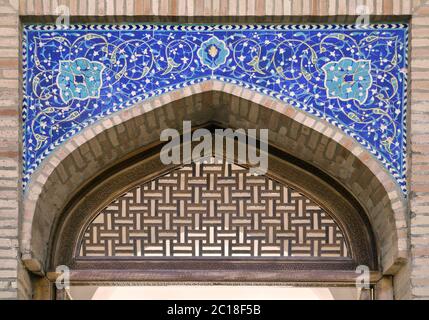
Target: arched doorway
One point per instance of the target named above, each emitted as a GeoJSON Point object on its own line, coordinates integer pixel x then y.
{"type": "Point", "coordinates": [207, 106]}
{"type": "Point", "coordinates": [213, 222]}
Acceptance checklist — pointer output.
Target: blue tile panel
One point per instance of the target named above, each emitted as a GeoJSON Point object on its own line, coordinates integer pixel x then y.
{"type": "Point", "coordinates": [354, 77]}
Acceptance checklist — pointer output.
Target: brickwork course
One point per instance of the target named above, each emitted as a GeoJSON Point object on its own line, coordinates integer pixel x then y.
{"type": "Point", "coordinates": [401, 226]}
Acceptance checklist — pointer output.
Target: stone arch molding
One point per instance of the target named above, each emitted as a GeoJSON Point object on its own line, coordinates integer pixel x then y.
{"type": "Point", "coordinates": [84, 156]}
{"type": "Point", "coordinates": [354, 77]}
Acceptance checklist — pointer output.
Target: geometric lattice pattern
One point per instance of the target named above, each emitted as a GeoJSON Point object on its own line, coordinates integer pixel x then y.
{"type": "Point", "coordinates": [213, 209]}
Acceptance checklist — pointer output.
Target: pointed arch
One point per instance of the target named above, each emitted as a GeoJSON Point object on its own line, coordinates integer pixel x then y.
{"type": "Point", "coordinates": [130, 131]}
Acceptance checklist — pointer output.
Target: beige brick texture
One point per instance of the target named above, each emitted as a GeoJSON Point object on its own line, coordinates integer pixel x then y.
{"type": "Point", "coordinates": [9, 148]}
{"type": "Point", "coordinates": [282, 9]}
{"type": "Point", "coordinates": [323, 144]}
{"type": "Point", "coordinates": [419, 164]}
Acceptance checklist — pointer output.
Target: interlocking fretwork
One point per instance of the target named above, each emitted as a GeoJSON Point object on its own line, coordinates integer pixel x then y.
{"type": "Point", "coordinates": [213, 210]}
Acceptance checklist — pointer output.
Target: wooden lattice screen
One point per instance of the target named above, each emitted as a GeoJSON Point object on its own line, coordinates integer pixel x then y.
{"type": "Point", "coordinates": [213, 210]}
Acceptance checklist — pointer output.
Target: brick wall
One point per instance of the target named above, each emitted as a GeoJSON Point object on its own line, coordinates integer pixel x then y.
{"type": "Point", "coordinates": [419, 164]}
{"type": "Point", "coordinates": [233, 8]}
{"type": "Point", "coordinates": [417, 269]}
{"type": "Point", "coordinates": [9, 147]}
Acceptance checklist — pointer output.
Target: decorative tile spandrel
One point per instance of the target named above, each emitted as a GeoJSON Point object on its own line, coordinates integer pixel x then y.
{"type": "Point", "coordinates": [353, 77]}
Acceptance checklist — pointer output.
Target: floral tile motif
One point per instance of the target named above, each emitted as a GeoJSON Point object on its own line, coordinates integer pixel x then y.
{"type": "Point", "coordinates": [79, 79]}
{"type": "Point", "coordinates": [354, 77]}
{"type": "Point", "coordinates": [213, 53]}
{"type": "Point", "coordinates": [348, 79]}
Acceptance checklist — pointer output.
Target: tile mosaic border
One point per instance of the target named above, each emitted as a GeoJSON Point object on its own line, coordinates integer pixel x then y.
{"type": "Point", "coordinates": [398, 171]}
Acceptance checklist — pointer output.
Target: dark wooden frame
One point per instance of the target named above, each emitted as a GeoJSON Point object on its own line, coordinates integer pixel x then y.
{"type": "Point", "coordinates": [146, 165]}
